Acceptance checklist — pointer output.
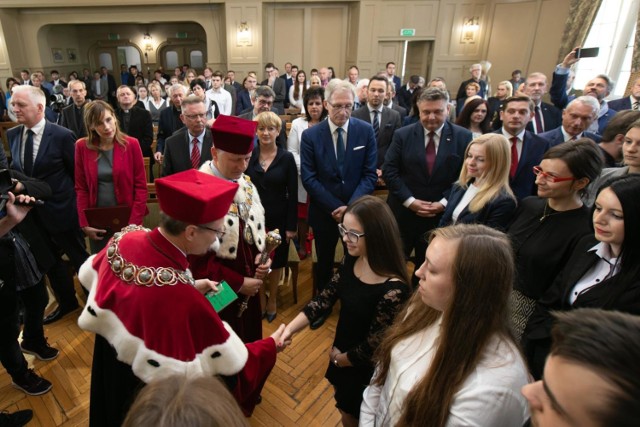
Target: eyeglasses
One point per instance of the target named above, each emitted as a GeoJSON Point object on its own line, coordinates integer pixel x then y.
{"type": "Point", "coordinates": [219, 233]}
{"type": "Point", "coordinates": [195, 116]}
{"type": "Point", "coordinates": [537, 170]}
{"type": "Point", "coordinates": [341, 107]}
{"type": "Point", "coordinates": [352, 236]}
{"type": "Point", "coordinates": [265, 102]}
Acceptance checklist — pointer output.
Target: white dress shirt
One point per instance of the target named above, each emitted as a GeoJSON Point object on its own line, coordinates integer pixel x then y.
{"type": "Point", "coordinates": [222, 98]}
{"type": "Point", "coordinates": [38, 131]}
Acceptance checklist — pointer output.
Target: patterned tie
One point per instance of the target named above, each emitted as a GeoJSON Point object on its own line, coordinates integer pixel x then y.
{"type": "Point", "coordinates": [514, 156]}
{"type": "Point", "coordinates": [376, 124]}
{"type": "Point", "coordinates": [195, 154]}
{"type": "Point", "coordinates": [539, 128]}
{"type": "Point", "coordinates": [340, 149]}
{"type": "Point", "coordinates": [431, 152]}
{"type": "Point", "coordinates": [636, 106]}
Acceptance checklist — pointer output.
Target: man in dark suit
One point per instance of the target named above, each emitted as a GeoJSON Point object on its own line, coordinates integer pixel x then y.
{"type": "Point", "coordinates": [190, 147]}
{"type": "Point", "coordinates": [263, 100]}
{"type": "Point", "coordinates": [169, 121]}
{"type": "Point", "coordinates": [288, 78]}
{"type": "Point", "coordinates": [384, 120]}
{"type": "Point", "coordinates": [338, 165]}
{"type": "Point", "coordinates": [545, 116]}
{"type": "Point", "coordinates": [576, 118]}
{"type": "Point", "coordinates": [135, 121]}
{"type": "Point", "coordinates": [244, 97]}
{"type": "Point", "coordinates": [527, 148]}
{"type": "Point", "coordinates": [406, 92]}
{"type": "Point", "coordinates": [231, 75]}
{"type": "Point", "coordinates": [422, 163]}
{"type": "Point", "coordinates": [390, 101]}
{"type": "Point", "coordinates": [278, 86]}
{"type": "Point", "coordinates": [55, 79]}
{"type": "Point", "coordinates": [72, 117]}
{"type": "Point", "coordinates": [45, 151]}
{"type": "Point", "coordinates": [631, 102]}
{"type": "Point", "coordinates": [25, 78]}
{"type": "Point", "coordinates": [111, 86]}
{"type": "Point", "coordinates": [391, 74]}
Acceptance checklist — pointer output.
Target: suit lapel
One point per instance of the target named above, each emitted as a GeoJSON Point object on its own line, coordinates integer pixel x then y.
{"type": "Point", "coordinates": [328, 149]}
{"type": "Point", "coordinates": [420, 148]}
{"type": "Point", "coordinates": [206, 146]}
{"type": "Point", "coordinates": [44, 144]}
{"type": "Point", "coordinates": [14, 145]}
{"type": "Point", "coordinates": [444, 148]}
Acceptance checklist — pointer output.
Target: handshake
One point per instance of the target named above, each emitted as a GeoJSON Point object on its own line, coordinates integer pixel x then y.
{"type": "Point", "coordinates": [282, 336]}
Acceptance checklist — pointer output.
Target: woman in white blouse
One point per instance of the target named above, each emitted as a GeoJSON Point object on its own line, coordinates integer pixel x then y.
{"type": "Point", "coordinates": [156, 102]}
{"type": "Point", "coordinates": [449, 358]}
{"type": "Point", "coordinates": [297, 91]}
{"type": "Point", "coordinates": [314, 114]}
{"type": "Point", "coordinates": [482, 194]}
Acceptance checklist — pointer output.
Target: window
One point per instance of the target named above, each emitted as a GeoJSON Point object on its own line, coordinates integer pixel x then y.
{"type": "Point", "coordinates": [105, 60]}
{"type": "Point", "coordinates": [170, 59]}
{"type": "Point", "coordinates": [613, 32]}
{"type": "Point", "coordinates": [195, 59]}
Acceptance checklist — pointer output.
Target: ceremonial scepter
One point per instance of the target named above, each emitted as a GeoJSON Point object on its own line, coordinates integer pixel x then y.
{"type": "Point", "coordinates": [272, 241]}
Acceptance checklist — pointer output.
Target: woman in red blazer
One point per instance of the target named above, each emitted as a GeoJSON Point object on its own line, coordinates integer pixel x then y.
{"type": "Point", "coordinates": [109, 171]}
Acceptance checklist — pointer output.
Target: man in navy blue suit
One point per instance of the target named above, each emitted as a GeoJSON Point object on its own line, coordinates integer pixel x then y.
{"type": "Point", "coordinates": [421, 164]}
{"type": "Point", "coordinates": [43, 150]}
{"type": "Point", "coordinates": [576, 119]}
{"type": "Point", "coordinates": [598, 87]}
{"type": "Point", "coordinates": [391, 75]}
{"type": "Point", "coordinates": [338, 165]}
{"type": "Point", "coordinates": [527, 148]}
{"type": "Point", "coordinates": [631, 102]}
{"type": "Point", "coordinates": [546, 116]}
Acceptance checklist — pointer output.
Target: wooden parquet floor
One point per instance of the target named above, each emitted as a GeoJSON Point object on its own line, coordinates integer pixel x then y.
{"type": "Point", "coordinates": [296, 393]}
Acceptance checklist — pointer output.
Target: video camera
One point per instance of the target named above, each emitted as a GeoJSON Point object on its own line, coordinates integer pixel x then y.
{"type": "Point", "coordinates": [7, 184]}
{"type": "Point", "coordinates": [57, 100]}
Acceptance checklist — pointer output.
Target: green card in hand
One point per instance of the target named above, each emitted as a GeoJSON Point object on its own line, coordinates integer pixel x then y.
{"type": "Point", "coordinates": [222, 298]}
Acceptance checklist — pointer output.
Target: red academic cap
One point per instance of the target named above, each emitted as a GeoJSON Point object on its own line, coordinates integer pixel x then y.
{"type": "Point", "coordinates": [233, 134]}
{"type": "Point", "coordinates": [195, 197]}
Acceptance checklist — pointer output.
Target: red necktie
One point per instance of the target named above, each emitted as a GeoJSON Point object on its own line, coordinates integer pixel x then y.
{"type": "Point", "coordinates": [538, 119]}
{"type": "Point", "coordinates": [514, 156]}
{"type": "Point", "coordinates": [431, 153]}
{"type": "Point", "coordinates": [195, 154]}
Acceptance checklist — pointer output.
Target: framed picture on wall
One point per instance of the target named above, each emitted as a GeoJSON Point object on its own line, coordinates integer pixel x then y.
{"type": "Point", "coordinates": [57, 54]}
{"type": "Point", "coordinates": [72, 55]}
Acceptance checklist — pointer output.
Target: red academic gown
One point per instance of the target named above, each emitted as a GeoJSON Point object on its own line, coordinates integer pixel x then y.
{"type": "Point", "coordinates": [147, 333]}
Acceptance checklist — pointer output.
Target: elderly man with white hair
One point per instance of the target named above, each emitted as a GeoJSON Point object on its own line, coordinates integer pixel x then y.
{"type": "Point", "coordinates": [576, 119]}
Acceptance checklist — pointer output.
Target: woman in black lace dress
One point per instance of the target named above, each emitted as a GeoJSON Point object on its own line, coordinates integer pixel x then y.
{"type": "Point", "coordinates": [372, 285]}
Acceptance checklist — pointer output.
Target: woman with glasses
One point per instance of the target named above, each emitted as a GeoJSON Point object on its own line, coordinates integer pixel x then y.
{"type": "Point", "coordinates": [449, 359]}
{"type": "Point", "coordinates": [372, 286]}
{"type": "Point", "coordinates": [314, 113]}
{"type": "Point", "coordinates": [109, 171]}
{"type": "Point", "coordinates": [602, 272]}
{"type": "Point", "coordinates": [273, 171]}
{"type": "Point", "coordinates": [546, 228]}
{"type": "Point", "coordinates": [482, 193]}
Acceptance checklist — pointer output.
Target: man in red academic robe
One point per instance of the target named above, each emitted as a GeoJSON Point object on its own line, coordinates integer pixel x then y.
{"type": "Point", "coordinates": [150, 315]}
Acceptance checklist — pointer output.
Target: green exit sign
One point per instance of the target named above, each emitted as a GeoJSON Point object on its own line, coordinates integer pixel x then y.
{"type": "Point", "coordinates": [408, 32]}
{"type": "Point", "coordinates": [181, 35]}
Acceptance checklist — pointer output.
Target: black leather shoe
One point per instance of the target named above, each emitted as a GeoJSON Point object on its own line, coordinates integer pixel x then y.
{"type": "Point", "coordinates": [57, 314]}
{"type": "Point", "coordinates": [318, 322]}
{"type": "Point", "coordinates": [16, 419]}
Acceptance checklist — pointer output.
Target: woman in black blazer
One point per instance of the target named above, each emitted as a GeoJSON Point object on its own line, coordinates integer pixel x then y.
{"type": "Point", "coordinates": [482, 194]}
{"type": "Point", "coordinates": [603, 271]}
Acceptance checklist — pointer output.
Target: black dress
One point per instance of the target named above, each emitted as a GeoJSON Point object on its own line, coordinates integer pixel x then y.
{"type": "Point", "coordinates": [278, 190]}
{"type": "Point", "coordinates": [366, 310]}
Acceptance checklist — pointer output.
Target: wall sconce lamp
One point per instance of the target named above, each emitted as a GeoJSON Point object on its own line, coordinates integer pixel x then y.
{"type": "Point", "coordinates": [470, 28]}
{"type": "Point", "coordinates": [148, 42]}
{"type": "Point", "coordinates": [244, 34]}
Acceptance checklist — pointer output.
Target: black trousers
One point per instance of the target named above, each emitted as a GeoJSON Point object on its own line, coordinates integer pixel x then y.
{"type": "Point", "coordinates": [35, 301]}
{"type": "Point", "coordinates": [326, 237]}
{"type": "Point", "coordinates": [10, 354]}
{"type": "Point", "coordinates": [72, 244]}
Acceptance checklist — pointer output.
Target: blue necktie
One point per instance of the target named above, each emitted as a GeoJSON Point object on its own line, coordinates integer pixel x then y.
{"type": "Point", "coordinates": [376, 124]}
{"type": "Point", "coordinates": [28, 154]}
{"type": "Point", "coordinates": [340, 150]}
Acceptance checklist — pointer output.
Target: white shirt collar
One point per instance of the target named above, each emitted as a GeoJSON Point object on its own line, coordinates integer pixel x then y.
{"type": "Point", "coordinates": [333, 126]}
{"type": "Point", "coordinates": [38, 128]}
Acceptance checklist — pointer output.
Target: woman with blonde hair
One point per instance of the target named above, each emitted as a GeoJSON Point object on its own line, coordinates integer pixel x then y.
{"type": "Point", "coordinates": [504, 91]}
{"type": "Point", "coordinates": [190, 76]}
{"type": "Point", "coordinates": [482, 193]}
{"type": "Point", "coordinates": [273, 171]}
{"type": "Point", "coordinates": [315, 81]}
{"type": "Point", "coordinates": [156, 102]}
{"type": "Point", "coordinates": [449, 358]}
{"type": "Point", "coordinates": [109, 171]}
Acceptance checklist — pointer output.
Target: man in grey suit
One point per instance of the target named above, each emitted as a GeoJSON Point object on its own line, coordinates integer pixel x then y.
{"type": "Point", "coordinates": [190, 146]}
{"type": "Point", "coordinates": [384, 120]}
{"type": "Point", "coordinates": [278, 86]}
{"type": "Point", "coordinates": [99, 87]}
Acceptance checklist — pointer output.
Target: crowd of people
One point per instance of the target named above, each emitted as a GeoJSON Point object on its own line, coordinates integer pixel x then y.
{"type": "Point", "coordinates": [512, 211]}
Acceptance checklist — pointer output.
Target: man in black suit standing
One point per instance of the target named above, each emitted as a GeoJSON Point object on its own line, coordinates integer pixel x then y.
{"type": "Point", "coordinates": [278, 86]}
{"type": "Point", "coordinates": [384, 120]}
{"type": "Point", "coordinates": [135, 122]}
{"type": "Point", "coordinates": [406, 92]}
{"type": "Point", "coordinates": [43, 150]}
{"type": "Point", "coordinates": [631, 102]}
{"type": "Point", "coordinates": [191, 146]}
{"type": "Point", "coordinates": [390, 101]}
{"type": "Point", "coordinates": [72, 116]}
{"type": "Point", "coordinates": [263, 100]}
{"type": "Point", "coordinates": [170, 118]}
{"type": "Point", "coordinates": [421, 164]}
{"type": "Point", "coordinates": [545, 116]}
